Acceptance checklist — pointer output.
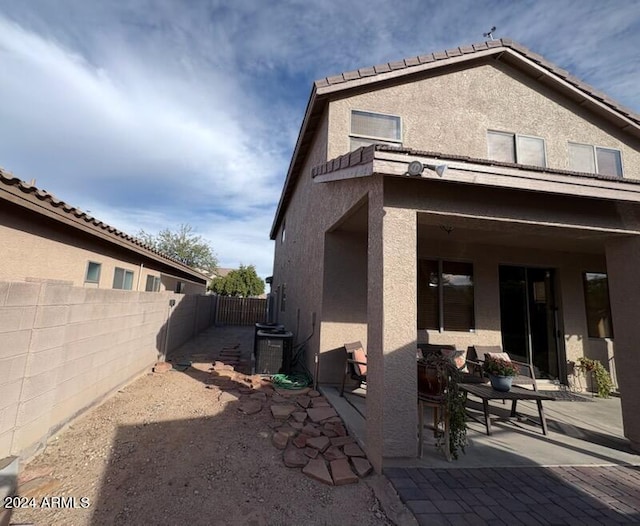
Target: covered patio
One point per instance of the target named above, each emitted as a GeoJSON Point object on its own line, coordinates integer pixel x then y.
{"type": "Point", "coordinates": [551, 228]}
{"type": "Point", "coordinates": [583, 431]}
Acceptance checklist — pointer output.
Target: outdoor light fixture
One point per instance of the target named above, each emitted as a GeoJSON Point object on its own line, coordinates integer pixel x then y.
{"type": "Point", "coordinates": [416, 168]}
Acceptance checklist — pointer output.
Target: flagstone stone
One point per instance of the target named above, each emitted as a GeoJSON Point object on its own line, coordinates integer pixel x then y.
{"type": "Point", "coordinates": [294, 458]}
{"type": "Point", "coordinates": [282, 411]}
{"type": "Point", "coordinates": [318, 414]}
{"type": "Point", "coordinates": [341, 472]}
{"type": "Point", "coordinates": [353, 450]}
{"type": "Point", "coordinates": [317, 469]}
{"type": "Point", "coordinates": [320, 443]}
{"type": "Point", "coordinates": [361, 466]}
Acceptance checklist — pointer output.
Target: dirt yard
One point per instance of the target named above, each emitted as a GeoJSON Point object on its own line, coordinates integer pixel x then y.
{"type": "Point", "coordinates": [173, 448]}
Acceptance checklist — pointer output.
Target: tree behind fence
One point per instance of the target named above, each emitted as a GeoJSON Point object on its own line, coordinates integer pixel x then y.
{"type": "Point", "coordinates": [240, 311]}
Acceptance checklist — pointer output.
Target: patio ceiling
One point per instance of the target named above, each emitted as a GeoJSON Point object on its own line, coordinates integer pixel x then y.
{"type": "Point", "coordinates": [452, 229]}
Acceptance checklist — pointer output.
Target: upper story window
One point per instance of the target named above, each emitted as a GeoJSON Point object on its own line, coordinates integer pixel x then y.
{"type": "Point", "coordinates": [374, 128]}
{"type": "Point", "coordinates": [122, 279]}
{"type": "Point", "coordinates": [594, 159]}
{"type": "Point", "coordinates": [93, 272]}
{"type": "Point", "coordinates": [514, 148]}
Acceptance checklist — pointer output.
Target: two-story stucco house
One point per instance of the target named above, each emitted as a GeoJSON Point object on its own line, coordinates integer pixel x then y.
{"type": "Point", "coordinates": [479, 195]}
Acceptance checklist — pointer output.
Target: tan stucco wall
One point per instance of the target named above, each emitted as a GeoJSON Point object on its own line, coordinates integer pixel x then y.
{"type": "Point", "coordinates": [451, 113]}
{"type": "Point", "coordinates": [299, 262]}
{"type": "Point", "coordinates": [623, 256]}
{"type": "Point", "coordinates": [63, 348]}
{"type": "Point", "coordinates": [36, 249]}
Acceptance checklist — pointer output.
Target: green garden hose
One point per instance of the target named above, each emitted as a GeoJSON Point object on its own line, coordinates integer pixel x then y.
{"type": "Point", "coordinates": [291, 381]}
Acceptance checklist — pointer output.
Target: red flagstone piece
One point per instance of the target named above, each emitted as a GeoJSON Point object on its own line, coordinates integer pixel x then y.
{"type": "Point", "coordinates": [342, 441]}
{"type": "Point", "coordinates": [310, 452]}
{"type": "Point", "coordinates": [301, 440]}
{"type": "Point", "coordinates": [320, 443]}
{"type": "Point", "coordinates": [280, 440]}
{"type": "Point", "coordinates": [361, 466]}
{"type": "Point", "coordinates": [341, 472]}
{"type": "Point", "coordinates": [282, 411]}
{"type": "Point", "coordinates": [299, 416]}
{"type": "Point", "coordinates": [353, 450]}
{"type": "Point", "coordinates": [294, 458]}
{"type": "Point", "coordinates": [303, 401]}
{"type": "Point", "coordinates": [318, 414]}
{"type": "Point", "coordinates": [317, 469]}
{"type": "Point", "coordinates": [311, 430]}
{"type": "Point", "coordinates": [333, 453]}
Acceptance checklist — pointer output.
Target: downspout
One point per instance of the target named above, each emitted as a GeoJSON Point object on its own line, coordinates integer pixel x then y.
{"type": "Point", "coordinates": [139, 277]}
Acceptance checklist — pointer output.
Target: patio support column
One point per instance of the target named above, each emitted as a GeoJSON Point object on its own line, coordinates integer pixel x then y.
{"type": "Point", "coordinates": [623, 258]}
{"type": "Point", "coordinates": [391, 334]}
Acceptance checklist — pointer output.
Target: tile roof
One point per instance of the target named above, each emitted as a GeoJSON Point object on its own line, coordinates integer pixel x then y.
{"type": "Point", "coordinates": [505, 50]}
{"type": "Point", "coordinates": [366, 154]}
{"type": "Point", "coordinates": [27, 193]}
{"type": "Point", "coordinates": [413, 62]}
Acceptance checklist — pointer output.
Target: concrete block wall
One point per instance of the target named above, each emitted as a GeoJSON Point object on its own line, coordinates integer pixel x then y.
{"type": "Point", "coordinates": [63, 348]}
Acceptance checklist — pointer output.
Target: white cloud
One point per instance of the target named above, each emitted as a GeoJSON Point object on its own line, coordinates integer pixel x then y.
{"type": "Point", "coordinates": [152, 114]}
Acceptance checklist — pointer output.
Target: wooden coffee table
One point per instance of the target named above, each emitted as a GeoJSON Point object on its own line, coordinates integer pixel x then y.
{"type": "Point", "coordinates": [485, 392]}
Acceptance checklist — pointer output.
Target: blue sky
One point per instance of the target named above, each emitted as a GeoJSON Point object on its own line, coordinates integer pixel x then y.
{"type": "Point", "coordinates": [152, 113]}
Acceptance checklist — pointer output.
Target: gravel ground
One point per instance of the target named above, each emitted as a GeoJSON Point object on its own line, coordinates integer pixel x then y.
{"type": "Point", "coordinates": [173, 448]}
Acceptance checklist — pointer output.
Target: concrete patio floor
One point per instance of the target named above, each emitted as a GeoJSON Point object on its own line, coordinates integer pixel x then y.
{"type": "Point", "coordinates": [581, 473]}
{"type": "Point", "coordinates": [581, 433]}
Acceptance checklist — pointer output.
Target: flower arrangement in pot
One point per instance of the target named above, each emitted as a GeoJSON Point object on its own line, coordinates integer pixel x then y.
{"type": "Point", "coordinates": [501, 372]}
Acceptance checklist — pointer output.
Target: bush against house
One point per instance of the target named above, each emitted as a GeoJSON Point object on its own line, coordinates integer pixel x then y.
{"type": "Point", "coordinates": [243, 282]}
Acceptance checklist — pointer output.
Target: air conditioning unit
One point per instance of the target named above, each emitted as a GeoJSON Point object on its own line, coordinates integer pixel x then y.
{"type": "Point", "coordinates": [273, 352]}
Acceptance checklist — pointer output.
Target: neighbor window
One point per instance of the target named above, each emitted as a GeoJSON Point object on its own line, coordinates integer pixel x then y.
{"type": "Point", "coordinates": [179, 287]}
{"type": "Point", "coordinates": [596, 298]}
{"type": "Point", "coordinates": [374, 128]}
{"type": "Point", "coordinates": [594, 159]}
{"type": "Point", "coordinates": [445, 295]}
{"type": "Point", "coordinates": [122, 279]}
{"type": "Point", "coordinates": [153, 284]}
{"type": "Point", "coordinates": [514, 148]}
{"type": "Point", "coordinates": [93, 272]}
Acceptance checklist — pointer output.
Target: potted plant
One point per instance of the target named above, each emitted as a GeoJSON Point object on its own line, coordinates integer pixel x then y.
{"type": "Point", "coordinates": [501, 372]}
{"type": "Point", "coordinates": [604, 385]}
{"type": "Point", "coordinates": [438, 377]}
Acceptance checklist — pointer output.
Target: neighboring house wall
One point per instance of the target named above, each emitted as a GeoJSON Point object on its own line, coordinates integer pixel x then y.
{"type": "Point", "coordinates": [65, 348]}
{"type": "Point", "coordinates": [452, 111]}
{"type": "Point", "coordinates": [38, 248]}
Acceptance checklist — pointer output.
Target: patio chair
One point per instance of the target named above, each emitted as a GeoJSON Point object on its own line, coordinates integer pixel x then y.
{"type": "Point", "coordinates": [525, 377]}
{"type": "Point", "coordinates": [470, 371]}
{"type": "Point", "coordinates": [355, 365]}
{"type": "Point", "coordinates": [433, 383]}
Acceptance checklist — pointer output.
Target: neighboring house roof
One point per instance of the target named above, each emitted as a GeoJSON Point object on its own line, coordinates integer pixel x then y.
{"type": "Point", "coordinates": [222, 272]}
{"type": "Point", "coordinates": [40, 201]}
{"type": "Point", "coordinates": [503, 50]}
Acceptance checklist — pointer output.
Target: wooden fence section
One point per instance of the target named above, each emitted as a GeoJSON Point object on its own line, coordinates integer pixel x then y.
{"type": "Point", "coordinates": [240, 311]}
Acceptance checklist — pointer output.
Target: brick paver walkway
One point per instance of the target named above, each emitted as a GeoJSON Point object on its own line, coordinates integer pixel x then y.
{"type": "Point", "coordinates": [580, 496]}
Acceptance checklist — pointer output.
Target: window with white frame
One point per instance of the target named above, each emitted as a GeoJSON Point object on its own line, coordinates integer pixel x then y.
{"type": "Point", "coordinates": [513, 148]}
{"type": "Point", "coordinates": [374, 128]}
{"type": "Point", "coordinates": [122, 279]}
{"type": "Point", "coordinates": [93, 272]}
{"type": "Point", "coordinates": [595, 159]}
{"type": "Point", "coordinates": [153, 284]}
